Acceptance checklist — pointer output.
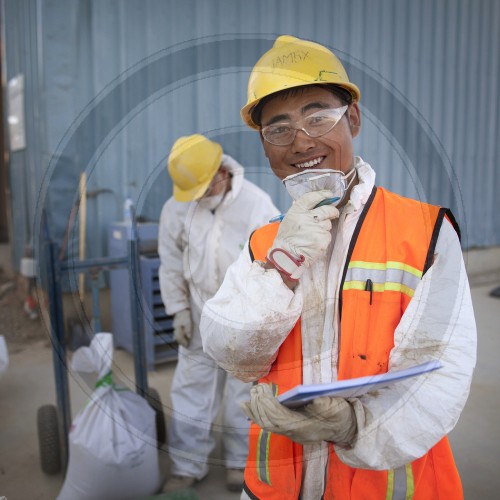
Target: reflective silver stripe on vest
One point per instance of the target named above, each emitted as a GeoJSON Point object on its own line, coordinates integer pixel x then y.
{"type": "Point", "coordinates": [263, 457]}
{"type": "Point", "coordinates": [399, 492]}
{"type": "Point", "coordinates": [263, 451]}
{"type": "Point", "coordinates": [401, 486]}
{"type": "Point", "coordinates": [389, 275]}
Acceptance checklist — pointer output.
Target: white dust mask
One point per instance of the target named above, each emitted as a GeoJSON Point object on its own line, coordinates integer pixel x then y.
{"type": "Point", "coordinates": [318, 179]}
{"type": "Point", "coordinates": [211, 202]}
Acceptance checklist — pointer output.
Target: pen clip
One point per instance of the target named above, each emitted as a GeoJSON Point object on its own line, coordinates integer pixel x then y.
{"type": "Point", "coordinates": [326, 201]}
{"type": "Point", "coordinates": [369, 288]}
{"type": "Point", "coordinates": [278, 218]}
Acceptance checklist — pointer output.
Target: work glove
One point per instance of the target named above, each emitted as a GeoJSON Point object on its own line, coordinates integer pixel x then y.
{"type": "Point", "coordinates": [325, 419]}
{"type": "Point", "coordinates": [183, 327]}
{"type": "Point", "coordinates": [304, 234]}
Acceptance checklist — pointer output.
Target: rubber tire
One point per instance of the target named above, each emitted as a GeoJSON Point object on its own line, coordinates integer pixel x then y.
{"type": "Point", "coordinates": [153, 399]}
{"type": "Point", "coordinates": [48, 439]}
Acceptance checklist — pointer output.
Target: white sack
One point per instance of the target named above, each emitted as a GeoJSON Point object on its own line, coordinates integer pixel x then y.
{"type": "Point", "coordinates": [112, 441]}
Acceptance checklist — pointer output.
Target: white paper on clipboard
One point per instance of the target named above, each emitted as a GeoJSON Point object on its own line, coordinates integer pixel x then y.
{"type": "Point", "coordinates": [302, 394]}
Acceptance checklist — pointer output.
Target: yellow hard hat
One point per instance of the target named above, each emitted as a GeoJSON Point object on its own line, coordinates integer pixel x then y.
{"type": "Point", "coordinates": [192, 164]}
{"type": "Point", "coordinates": [293, 62]}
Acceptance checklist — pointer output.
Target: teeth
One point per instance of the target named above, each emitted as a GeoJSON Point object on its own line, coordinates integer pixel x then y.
{"type": "Point", "coordinates": [309, 164]}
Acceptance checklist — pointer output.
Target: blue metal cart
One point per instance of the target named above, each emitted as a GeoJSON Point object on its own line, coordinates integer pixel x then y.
{"type": "Point", "coordinates": [54, 421]}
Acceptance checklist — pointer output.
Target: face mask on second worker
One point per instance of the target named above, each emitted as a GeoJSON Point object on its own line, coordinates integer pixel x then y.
{"type": "Point", "coordinates": [211, 202]}
{"type": "Point", "coordinates": [319, 179]}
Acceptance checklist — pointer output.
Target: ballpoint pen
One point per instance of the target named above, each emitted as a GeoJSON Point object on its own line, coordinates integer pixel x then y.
{"type": "Point", "coordinates": [326, 201]}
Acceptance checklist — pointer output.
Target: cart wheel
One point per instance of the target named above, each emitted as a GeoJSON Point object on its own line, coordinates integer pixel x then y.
{"type": "Point", "coordinates": [48, 439]}
{"type": "Point", "coordinates": [153, 398]}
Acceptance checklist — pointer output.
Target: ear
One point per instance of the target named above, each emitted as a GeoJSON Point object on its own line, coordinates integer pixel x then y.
{"type": "Point", "coordinates": [354, 116]}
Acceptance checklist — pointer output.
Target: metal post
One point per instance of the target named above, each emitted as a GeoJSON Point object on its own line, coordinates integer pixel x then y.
{"type": "Point", "coordinates": [136, 311]}
{"type": "Point", "coordinates": [96, 309]}
{"type": "Point", "coordinates": [58, 347]}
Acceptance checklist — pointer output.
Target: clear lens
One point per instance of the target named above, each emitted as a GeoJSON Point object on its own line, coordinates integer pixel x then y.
{"type": "Point", "coordinates": [279, 134]}
{"type": "Point", "coordinates": [322, 122]}
{"type": "Point", "coordinates": [315, 125]}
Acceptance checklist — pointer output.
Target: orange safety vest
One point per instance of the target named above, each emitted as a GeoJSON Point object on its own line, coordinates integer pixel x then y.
{"type": "Point", "coordinates": [391, 249]}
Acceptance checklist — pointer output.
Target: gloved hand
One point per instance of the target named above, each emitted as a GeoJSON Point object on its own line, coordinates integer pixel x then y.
{"type": "Point", "coordinates": [325, 419]}
{"type": "Point", "coordinates": [303, 235]}
{"type": "Point", "coordinates": [183, 327]}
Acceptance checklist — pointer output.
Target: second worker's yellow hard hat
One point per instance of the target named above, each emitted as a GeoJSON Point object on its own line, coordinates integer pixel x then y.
{"type": "Point", "coordinates": [192, 164]}
{"type": "Point", "coordinates": [292, 62]}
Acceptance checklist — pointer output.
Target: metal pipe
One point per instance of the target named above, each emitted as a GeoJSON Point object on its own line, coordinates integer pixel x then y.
{"type": "Point", "coordinates": [136, 311]}
{"type": "Point", "coordinates": [58, 347]}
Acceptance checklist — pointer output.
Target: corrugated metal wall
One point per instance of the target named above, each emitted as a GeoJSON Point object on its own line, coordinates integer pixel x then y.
{"type": "Point", "coordinates": [111, 85]}
{"type": "Point", "coordinates": [20, 30]}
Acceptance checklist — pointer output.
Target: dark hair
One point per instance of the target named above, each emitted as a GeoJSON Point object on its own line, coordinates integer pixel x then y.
{"type": "Point", "coordinates": [343, 94]}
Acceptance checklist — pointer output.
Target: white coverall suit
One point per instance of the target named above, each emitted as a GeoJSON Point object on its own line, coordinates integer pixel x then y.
{"type": "Point", "coordinates": [196, 246]}
{"type": "Point", "coordinates": [438, 323]}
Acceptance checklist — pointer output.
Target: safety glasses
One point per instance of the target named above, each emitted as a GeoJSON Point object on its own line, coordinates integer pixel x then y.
{"type": "Point", "coordinates": [314, 125]}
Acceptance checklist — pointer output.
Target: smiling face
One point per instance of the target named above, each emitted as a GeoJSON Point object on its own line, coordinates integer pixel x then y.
{"type": "Point", "coordinates": [333, 150]}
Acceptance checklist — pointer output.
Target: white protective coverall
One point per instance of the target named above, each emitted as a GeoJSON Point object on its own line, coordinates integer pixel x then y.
{"type": "Point", "coordinates": [196, 247]}
{"type": "Point", "coordinates": [245, 323]}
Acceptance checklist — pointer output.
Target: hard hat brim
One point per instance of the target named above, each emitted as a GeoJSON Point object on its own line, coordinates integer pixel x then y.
{"type": "Point", "coordinates": [192, 194]}
{"type": "Point", "coordinates": [246, 111]}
